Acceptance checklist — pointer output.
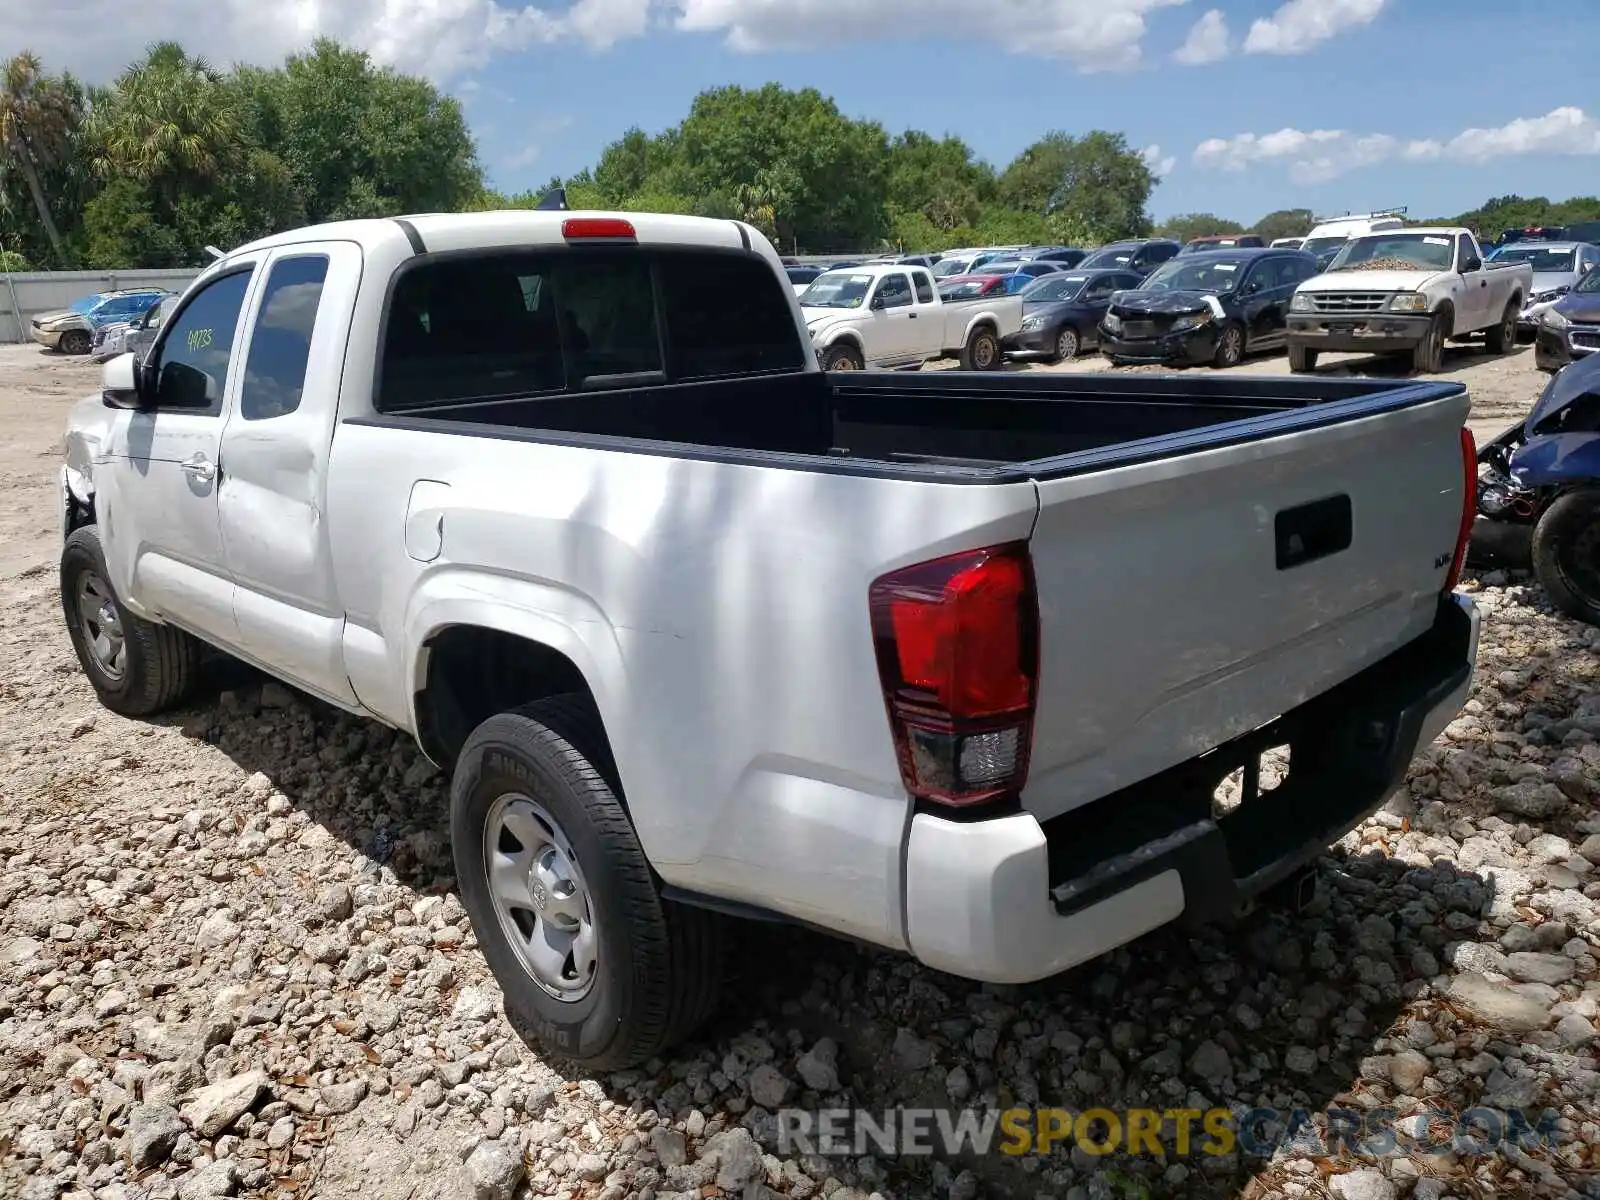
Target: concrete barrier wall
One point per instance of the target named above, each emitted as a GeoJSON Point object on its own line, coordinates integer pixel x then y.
{"type": "Point", "coordinates": [25, 294]}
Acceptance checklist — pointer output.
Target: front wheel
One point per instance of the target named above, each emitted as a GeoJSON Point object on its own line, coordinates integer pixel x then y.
{"type": "Point", "coordinates": [1427, 358]}
{"type": "Point", "coordinates": [1067, 344]}
{"type": "Point", "coordinates": [1566, 554]}
{"type": "Point", "coordinates": [136, 667]}
{"type": "Point", "coordinates": [75, 341]}
{"type": "Point", "coordinates": [1230, 347]}
{"type": "Point", "coordinates": [1503, 337]}
{"type": "Point", "coordinates": [1302, 360]}
{"type": "Point", "coordinates": [982, 351]}
{"type": "Point", "coordinates": [590, 957]}
{"type": "Point", "coordinates": [843, 357]}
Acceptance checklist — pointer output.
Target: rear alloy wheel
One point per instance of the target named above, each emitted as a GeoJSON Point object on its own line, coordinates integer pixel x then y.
{"type": "Point", "coordinates": [1230, 347]}
{"type": "Point", "coordinates": [1503, 337]}
{"type": "Point", "coordinates": [843, 357]}
{"type": "Point", "coordinates": [75, 341]}
{"type": "Point", "coordinates": [982, 351]}
{"type": "Point", "coordinates": [1566, 554]}
{"type": "Point", "coordinates": [1067, 344]}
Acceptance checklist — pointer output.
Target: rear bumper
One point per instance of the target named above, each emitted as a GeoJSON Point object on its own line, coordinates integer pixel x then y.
{"type": "Point", "coordinates": [1009, 900]}
{"type": "Point", "coordinates": [1370, 333]}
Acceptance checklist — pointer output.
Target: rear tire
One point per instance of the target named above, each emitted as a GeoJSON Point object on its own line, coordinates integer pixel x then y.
{"type": "Point", "coordinates": [1566, 554]}
{"type": "Point", "coordinates": [1503, 337]}
{"type": "Point", "coordinates": [982, 351]}
{"type": "Point", "coordinates": [1427, 357]}
{"type": "Point", "coordinates": [843, 357]}
{"type": "Point", "coordinates": [1302, 360]}
{"type": "Point", "coordinates": [137, 668]}
{"type": "Point", "coordinates": [542, 781]}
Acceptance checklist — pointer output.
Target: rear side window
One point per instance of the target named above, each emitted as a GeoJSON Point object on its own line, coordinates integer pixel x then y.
{"type": "Point", "coordinates": [518, 323]}
{"type": "Point", "coordinates": [924, 287]}
{"type": "Point", "coordinates": [280, 344]}
{"type": "Point", "coordinates": [725, 315]}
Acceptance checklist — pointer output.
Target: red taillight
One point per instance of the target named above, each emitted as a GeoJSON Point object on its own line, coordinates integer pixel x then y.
{"type": "Point", "coordinates": [578, 228]}
{"type": "Point", "coordinates": [1469, 506]}
{"type": "Point", "coordinates": [958, 654]}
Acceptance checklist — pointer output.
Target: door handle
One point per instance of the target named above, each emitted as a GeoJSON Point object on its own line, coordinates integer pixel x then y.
{"type": "Point", "coordinates": [199, 468]}
{"type": "Point", "coordinates": [913, 316]}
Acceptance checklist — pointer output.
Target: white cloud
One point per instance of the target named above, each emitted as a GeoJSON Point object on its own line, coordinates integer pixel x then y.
{"type": "Point", "coordinates": [1092, 34]}
{"type": "Point", "coordinates": [1160, 165]}
{"type": "Point", "coordinates": [530, 151]}
{"type": "Point", "coordinates": [1299, 25]}
{"type": "Point", "coordinates": [438, 38]}
{"type": "Point", "coordinates": [1320, 154]}
{"type": "Point", "coordinates": [1207, 41]}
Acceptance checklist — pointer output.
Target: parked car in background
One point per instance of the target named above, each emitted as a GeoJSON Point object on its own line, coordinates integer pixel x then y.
{"type": "Point", "coordinates": [1061, 312]}
{"type": "Point", "coordinates": [955, 261]}
{"type": "Point", "coordinates": [135, 336]}
{"type": "Point", "coordinates": [71, 330]}
{"type": "Point", "coordinates": [1222, 241]}
{"type": "Point", "coordinates": [968, 287]}
{"type": "Point", "coordinates": [1557, 268]}
{"type": "Point", "coordinates": [801, 277]}
{"type": "Point", "coordinates": [992, 254]}
{"type": "Point", "coordinates": [1140, 255]}
{"type": "Point", "coordinates": [1330, 234]}
{"type": "Point", "coordinates": [1569, 329]}
{"type": "Point", "coordinates": [1532, 233]}
{"type": "Point", "coordinates": [1290, 243]}
{"type": "Point", "coordinates": [1407, 291]}
{"type": "Point", "coordinates": [1012, 266]}
{"type": "Point", "coordinates": [1212, 307]}
{"type": "Point", "coordinates": [1067, 256]}
{"type": "Point", "coordinates": [894, 316]}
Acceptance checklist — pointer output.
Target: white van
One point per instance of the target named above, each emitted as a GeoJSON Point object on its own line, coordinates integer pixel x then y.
{"type": "Point", "coordinates": [1332, 232]}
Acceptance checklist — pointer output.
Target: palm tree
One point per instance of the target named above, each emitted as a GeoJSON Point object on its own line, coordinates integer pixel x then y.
{"type": "Point", "coordinates": [171, 117]}
{"type": "Point", "coordinates": [37, 118]}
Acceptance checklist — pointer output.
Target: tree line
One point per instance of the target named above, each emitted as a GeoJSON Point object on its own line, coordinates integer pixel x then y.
{"type": "Point", "coordinates": [175, 155]}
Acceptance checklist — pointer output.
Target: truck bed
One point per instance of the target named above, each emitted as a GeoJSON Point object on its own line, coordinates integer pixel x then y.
{"type": "Point", "coordinates": [953, 426]}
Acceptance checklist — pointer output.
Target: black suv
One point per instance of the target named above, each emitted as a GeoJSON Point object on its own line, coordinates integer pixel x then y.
{"type": "Point", "coordinates": [1139, 255]}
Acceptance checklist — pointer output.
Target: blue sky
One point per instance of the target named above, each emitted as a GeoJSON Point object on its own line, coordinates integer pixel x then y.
{"type": "Point", "coordinates": [1245, 105]}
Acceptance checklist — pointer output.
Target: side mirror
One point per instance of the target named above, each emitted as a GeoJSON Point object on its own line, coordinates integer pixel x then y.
{"type": "Point", "coordinates": [119, 382]}
{"type": "Point", "coordinates": [877, 302]}
{"type": "Point", "coordinates": [1473, 263]}
{"type": "Point", "coordinates": [1251, 288]}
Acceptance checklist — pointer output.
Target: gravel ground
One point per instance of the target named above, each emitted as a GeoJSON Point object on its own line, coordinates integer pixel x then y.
{"type": "Point", "coordinates": [231, 961]}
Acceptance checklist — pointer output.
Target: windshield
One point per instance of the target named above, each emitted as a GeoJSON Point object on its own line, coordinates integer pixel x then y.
{"type": "Point", "coordinates": [1218, 278]}
{"type": "Point", "coordinates": [946, 267]}
{"type": "Point", "coordinates": [965, 290]}
{"type": "Point", "coordinates": [1322, 245]}
{"type": "Point", "coordinates": [1396, 252]}
{"type": "Point", "coordinates": [1052, 288]}
{"type": "Point", "coordinates": [1000, 266]}
{"type": "Point", "coordinates": [88, 304]}
{"type": "Point", "coordinates": [1590, 283]}
{"type": "Point", "coordinates": [1111, 256]}
{"type": "Point", "coordinates": [803, 274]}
{"type": "Point", "coordinates": [836, 289]}
{"type": "Point", "coordinates": [1543, 259]}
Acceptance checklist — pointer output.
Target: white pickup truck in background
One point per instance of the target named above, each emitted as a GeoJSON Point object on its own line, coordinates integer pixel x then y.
{"type": "Point", "coordinates": [1407, 291]}
{"type": "Point", "coordinates": [952, 664]}
{"type": "Point", "coordinates": [893, 316]}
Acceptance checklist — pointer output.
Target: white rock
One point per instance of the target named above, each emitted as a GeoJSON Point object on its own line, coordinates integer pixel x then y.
{"type": "Point", "coordinates": [473, 1004]}
{"type": "Point", "coordinates": [212, 1109]}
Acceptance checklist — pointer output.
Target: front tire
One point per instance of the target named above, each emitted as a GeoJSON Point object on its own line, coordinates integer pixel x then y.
{"type": "Point", "coordinates": [1427, 357]}
{"type": "Point", "coordinates": [1566, 554]}
{"type": "Point", "coordinates": [137, 668]}
{"type": "Point", "coordinates": [1068, 344]}
{"type": "Point", "coordinates": [75, 341]}
{"type": "Point", "coordinates": [1502, 339]}
{"type": "Point", "coordinates": [1230, 347]}
{"type": "Point", "coordinates": [982, 351]}
{"type": "Point", "coordinates": [1302, 360]}
{"type": "Point", "coordinates": [590, 957]}
{"type": "Point", "coordinates": [843, 357]}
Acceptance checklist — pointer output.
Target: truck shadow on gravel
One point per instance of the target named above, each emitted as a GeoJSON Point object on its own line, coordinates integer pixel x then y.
{"type": "Point", "coordinates": [1284, 1010]}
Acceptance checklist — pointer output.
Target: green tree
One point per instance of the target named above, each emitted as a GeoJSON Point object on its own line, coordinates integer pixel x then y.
{"type": "Point", "coordinates": [936, 184]}
{"type": "Point", "coordinates": [1185, 227]}
{"type": "Point", "coordinates": [1095, 187]}
{"type": "Point", "coordinates": [169, 121]}
{"type": "Point", "coordinates": [38, 116]}
{"type": "Point", "coordinates": [1284, 223]}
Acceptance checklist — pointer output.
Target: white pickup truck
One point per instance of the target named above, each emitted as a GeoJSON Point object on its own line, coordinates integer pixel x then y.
{"type": "Point", "coordinates": [893, 316]}
{"type": "Point", "coordinates": [1407, 291]}
{"type": "Point", "coordinates": [951, 664]}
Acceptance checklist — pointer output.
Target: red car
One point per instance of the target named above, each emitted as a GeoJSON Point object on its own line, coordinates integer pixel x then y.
{"type": "Point", "coordinates": [970, 287]}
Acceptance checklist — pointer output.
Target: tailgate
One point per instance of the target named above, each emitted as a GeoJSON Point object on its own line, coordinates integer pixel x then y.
{"type": "Point", "coordinates": [1187, 600]}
